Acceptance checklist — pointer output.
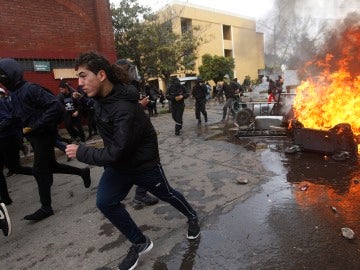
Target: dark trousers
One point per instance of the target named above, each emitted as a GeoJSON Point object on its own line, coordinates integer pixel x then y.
{"type": "Point", "coordinates": [91, 122]}
{"type": "Point", "coordinates": [114, 185]}
{"type": "Point", "coordinates": [74, 127]}
{"type": "Point", "coordinates": [45, 164]}
{"type": "Point", "coordinates": [152, 107]}
{"type": "Point", "coordinates": [9, 157]}
{"type": "Point", "coordinates": [177, 111]}
{"type": "Point", "coordinates": [227, 105]}
{"type": "Point", "coordinates": [200, 107]}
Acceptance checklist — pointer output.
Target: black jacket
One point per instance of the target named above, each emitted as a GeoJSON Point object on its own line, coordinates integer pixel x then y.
{"type": "Point", "coordinates": [229, 89]}
{"type": "Point", "coordinates": [69, 103]}
{"type": "Point", "coordinates": [9, 125]}
{"type": "Point", "coordinates": [35, 106]}
{"type": "Point", "coordinates": [130, 140]}
{"type": "Point", "coordinates": [175, 90]}
{"type": "Point", "coordinates": [199, 91]}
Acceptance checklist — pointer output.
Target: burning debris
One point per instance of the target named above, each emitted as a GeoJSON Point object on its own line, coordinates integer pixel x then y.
{"type": "Point", "coordinates": [339, 141]}
{"type": "Point", "coordinates": [326, 101]}
{"type": "Point", "coordinates": [333, 96]}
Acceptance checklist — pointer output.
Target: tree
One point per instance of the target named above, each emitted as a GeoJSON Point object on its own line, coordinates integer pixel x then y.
{"type": "Point", "coordinates": [215, 67]}
{"type": "Point", "coordinates": [126, 20]}
{"type": "Point", "coordinates": [286, 31]}
{"type": "Point", "coordinates": [150, 43]}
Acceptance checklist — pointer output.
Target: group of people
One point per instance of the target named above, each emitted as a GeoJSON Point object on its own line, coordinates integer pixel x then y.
{"type": "Point", "coordinates": [130, 155]}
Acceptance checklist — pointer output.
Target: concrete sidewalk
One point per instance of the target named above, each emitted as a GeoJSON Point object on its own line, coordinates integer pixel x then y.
{"type": "Point", "coordinates": [79, 237]}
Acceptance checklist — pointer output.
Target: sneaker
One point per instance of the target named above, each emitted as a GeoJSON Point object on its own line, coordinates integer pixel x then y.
{"type": "Point", "coordinates": [145, 200]}
{"type": "Point", "coordinates": [5, 222]}
{"type": "Point", "coordinates": [177, 133]}
{"type": "Point", "coordinates": [199, 122]}
{"type": "Point", "coordinates": [193, 229]}
{"type": "Point", "coordinates": [132, 258]}
{"type": "Point", "coordinates": [39, 214]}
{"type": "Point", "coordinates": [86, 177]}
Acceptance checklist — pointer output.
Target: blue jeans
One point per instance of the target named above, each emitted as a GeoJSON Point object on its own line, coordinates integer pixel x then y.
{"type": "Point", "coordinates": [115, 185]}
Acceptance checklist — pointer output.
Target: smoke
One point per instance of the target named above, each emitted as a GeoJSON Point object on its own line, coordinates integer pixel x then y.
{"type": "Point", "coordinates": [340, 49]}
{"type": "Point", "coordinates": [326, 9]}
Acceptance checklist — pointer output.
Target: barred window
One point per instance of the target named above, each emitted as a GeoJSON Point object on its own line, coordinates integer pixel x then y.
{"type": "Point", "coordinates": [28, 64]}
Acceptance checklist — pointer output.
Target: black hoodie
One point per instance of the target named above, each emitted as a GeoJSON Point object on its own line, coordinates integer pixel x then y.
{"type": "Point", "coordinates": [35, 106]}
{"type": "Point", "coordinates": [130, 140]}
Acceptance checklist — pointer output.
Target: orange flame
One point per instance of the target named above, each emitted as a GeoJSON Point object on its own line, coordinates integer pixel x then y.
{"type": "Point", "coordinates": [333, 97]}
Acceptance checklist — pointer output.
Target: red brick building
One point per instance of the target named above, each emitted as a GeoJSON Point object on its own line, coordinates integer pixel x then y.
{"type": "Point", "coordinates": [46, 36]}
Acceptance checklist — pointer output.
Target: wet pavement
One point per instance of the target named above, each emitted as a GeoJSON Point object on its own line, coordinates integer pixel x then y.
{"type": "Point", "coordinates": [288, 216]}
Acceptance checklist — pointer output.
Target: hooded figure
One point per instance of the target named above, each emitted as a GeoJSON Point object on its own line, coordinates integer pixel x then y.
{"type": "Point", "coordinates": [177, 93]}
{"type": "Point", "coordinates": [199, 92]}
{"type": "Point", "coordinates": [39, 111]}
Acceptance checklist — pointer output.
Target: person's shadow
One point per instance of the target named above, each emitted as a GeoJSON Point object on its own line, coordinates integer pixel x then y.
{"type": "Point", "coordinates": [188, 258]}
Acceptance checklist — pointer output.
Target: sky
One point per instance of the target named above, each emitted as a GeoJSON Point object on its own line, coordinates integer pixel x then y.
{"type": "Point", "coordinates": [248, 8]}
{"type": "Point", "coordinates": [322, 9]}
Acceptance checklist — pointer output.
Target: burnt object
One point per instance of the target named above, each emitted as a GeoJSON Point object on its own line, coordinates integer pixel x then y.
{"type": "Point", "coordinates": [339, 142]}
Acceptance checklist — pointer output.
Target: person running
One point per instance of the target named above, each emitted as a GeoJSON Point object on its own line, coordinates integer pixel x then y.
{"type": "Point", "coordinates": [199, 92]}
{"type": "Point", "coordinates": [130, 155]}
{"type": "Point", "coordinates": [39, 111]}
{"type": "Point", "coordinates": [229, 88]}
{"type": "Point", "coordinates": [141, 197]}
{"type": "Point", "coordinates": [177, 93]}
{"type": "Point", "coordinates": [10, 143]}
{"type": "Point", "coordinates": [72, 115]}
{"type": "Point", "coordinates": [5, 222]}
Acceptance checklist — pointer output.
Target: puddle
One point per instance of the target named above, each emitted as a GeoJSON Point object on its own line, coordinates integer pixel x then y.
{"type": "Point", "coordinates": [283, 225]}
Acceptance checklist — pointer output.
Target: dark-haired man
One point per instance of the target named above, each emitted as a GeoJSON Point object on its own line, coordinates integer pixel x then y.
{"type": "Point", "coordinates": [130, 155]}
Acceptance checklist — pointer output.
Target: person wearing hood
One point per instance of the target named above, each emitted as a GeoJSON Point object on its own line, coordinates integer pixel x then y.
{"type": "Point", "coordinates": [177, 94]}
{"type": "Point", "coordinates": [130, 155]}
{"type": "Point", "coordinates": [10, 143]}
{"type": "Point", "coordinates": [199, 92]}
{"type": "Point", "coordinates": [39, 112]}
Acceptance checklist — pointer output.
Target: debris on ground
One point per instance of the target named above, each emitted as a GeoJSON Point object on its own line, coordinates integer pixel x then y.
{"type": "Point", "coordinates": [242, 181]}
{"type": "Point", "coordinates": [304, 188]}
{"type": "Point", "coordinates": [348, 233]}
{"type": "Point", "coordinates": [333, 208]}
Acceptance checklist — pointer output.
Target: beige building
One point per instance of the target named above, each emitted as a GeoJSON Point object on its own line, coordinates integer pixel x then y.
{"type": "Point", "coordinates": [225, 34]}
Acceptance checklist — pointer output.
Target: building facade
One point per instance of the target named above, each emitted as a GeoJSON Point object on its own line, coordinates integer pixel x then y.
{"type": "Point", "coordinates": [46, 36]}
{"type": "Point", "coordinates": [225, 34]}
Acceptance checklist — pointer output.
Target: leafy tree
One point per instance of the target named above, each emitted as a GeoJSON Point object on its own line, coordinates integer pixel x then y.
{"type": "Point", "coordinates": [151, 44]}
{"type": "Point", "coordinates": [215, 67]}
{"type": "Point", "coordinates": [127, 25]}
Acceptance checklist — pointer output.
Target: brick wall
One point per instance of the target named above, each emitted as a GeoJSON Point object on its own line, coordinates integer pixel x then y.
{"type": "Point", "coordinates": [54, 29]}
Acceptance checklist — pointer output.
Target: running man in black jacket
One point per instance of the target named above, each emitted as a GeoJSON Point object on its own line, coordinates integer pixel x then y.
{"type": "Point", "coordinates": [177, 93]}
{"type": "Point", "coordinates": [199, 92]}
{"type": "Point", "coordinates": [39, 112]}
{"type": "Point", "coordinates": [130, 155]}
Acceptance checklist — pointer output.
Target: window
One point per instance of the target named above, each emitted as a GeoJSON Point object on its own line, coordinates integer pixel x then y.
{"type": "Point", "coordinates": [186, 25]}
{"type": "Point", "coordinates": [226, 32]}
{"type": "Point", "coordinates": [28, 64]}
{"type": "Point", "coordinates": [228, 53]}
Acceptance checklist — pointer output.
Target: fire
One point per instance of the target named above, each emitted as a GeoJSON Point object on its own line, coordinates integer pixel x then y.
{"type": "Point", "coordinates": [333, 96]}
